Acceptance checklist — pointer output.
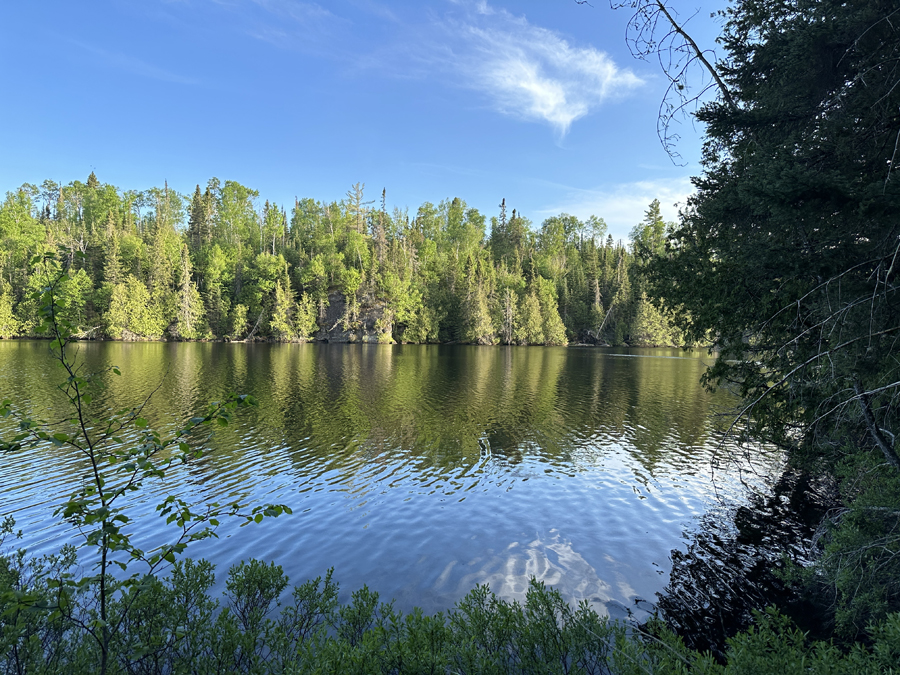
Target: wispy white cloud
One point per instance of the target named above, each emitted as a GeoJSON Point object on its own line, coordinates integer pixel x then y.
{"type": "Point", "coordinates": [377, 9]}
{"type": "Point", "coordinates": [287, 24]}
{"type": "Point", "coordinates": [133, 65]}
{"type": "Point", "coordinates": [531, 72]}
{"type": "Point", "coordinates": [302, 12]}
{"type": "Point", "coordinates": [520, 69]}
{"type": "Point", "coordinates": [622, 206]}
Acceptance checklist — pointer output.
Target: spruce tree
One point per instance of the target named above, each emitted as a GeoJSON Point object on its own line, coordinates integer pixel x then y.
{"type": "Point", "coordinates": [189, 315]}
{"type": "Point", "coordinates": [530, 324]}
{"type": "Point", "coordinates": [196, 220]}
{"type": "Point", "coordinates": [284, 311]}
{"type": "Point", "coordinates": [9, 325]}
{"type": "Point", "coordinates": [112, 263]}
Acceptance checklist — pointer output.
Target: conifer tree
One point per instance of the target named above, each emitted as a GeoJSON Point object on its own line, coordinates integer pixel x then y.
{"type": "Point", "coordinates": [552, 328]}
{"type": "Point", "coordinates": [650, 327]}
{"type": "Point", "coordinates": [530, 324]}
{"type": "Point", "coordinates": [477, 327]}
{"type": "Point", "coordinates": [197, 220]}
{"type": "Point", "coordinates": [112, 264]}
{"type": "Point", "coordinates": [189, 314]}
{"type": "Point", "coordinates": [131, 313]}
{"type": "Point", "coordinates": [509, 285]}
{"type": "Point", "coordinates": [434, 277]}
{"type": "Point", "coordinates": [74, 296]}
{"type": "Point", "coordinates": [357, 207]}
{"type": "Point", "coordinates": [9, 325]}
{"type": "Point", "coordinates": [216, 301]}
{"type": "Point", "coordinates": [648, 239]}
{"type": "Point", "coordinates": [284, 311]}
{"type": "Point", "coordinates": [305, 323]}
{"type": "Point", "coordinates": [238, 322]}
{"type": "Point", "coordinates": [379, 236]}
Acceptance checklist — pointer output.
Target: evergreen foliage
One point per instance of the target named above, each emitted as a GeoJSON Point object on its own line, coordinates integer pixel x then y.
{"type": "Point", "coordinates": [160, 265]}
{"type": "Point", "coordinates": [9, 325]}
{"type": "Point", "coordinates": [788, 257]}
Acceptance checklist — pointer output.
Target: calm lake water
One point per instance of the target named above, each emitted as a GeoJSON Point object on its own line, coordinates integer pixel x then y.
{"type": "Point", "coordinates": [417, 470]}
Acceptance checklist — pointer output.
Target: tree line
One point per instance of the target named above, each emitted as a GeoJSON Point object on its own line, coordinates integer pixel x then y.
{"type": "Point", "coordinates": [157, 264]}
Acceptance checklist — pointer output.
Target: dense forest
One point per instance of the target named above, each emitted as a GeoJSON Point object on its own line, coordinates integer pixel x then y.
{"type": "Point", "coordinates": [157, 264]}
{"type": "Point", "coordinates": [786, 259]}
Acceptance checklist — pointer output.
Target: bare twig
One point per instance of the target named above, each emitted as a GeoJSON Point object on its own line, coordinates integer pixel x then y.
{"type": "Point", "coordinates": [879, 438]}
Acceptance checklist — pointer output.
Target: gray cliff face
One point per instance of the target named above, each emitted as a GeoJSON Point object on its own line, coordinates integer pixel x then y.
{"type": "Point", "coordinates": [369, 321]}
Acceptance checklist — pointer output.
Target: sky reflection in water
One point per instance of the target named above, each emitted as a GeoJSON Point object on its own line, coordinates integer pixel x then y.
{"type": "Point", "coordinates": [418, 470]}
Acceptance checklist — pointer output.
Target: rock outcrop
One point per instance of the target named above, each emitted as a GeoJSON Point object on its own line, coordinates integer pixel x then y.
{"type": "Point", "coordinates": [370, 321]}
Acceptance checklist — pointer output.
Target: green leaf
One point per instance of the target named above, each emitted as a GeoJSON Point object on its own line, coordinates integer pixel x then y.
{"type": "Point", "coordinates": [140, 422]}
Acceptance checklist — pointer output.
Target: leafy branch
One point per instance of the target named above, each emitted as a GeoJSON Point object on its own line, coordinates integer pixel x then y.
{"type": "Point", "coordinates": [117, 468]}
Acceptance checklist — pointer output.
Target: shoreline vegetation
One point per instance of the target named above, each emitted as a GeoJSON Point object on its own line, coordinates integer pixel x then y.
{"type": "Point", "coordinates": [351, 340]}
{"type": "Point", "coordinates": [146, 611]}
{"type": "Point", "coordinates": [786, 259]}
{"type": "Point", "coordinates": [218, 265]}
{"type": "Point", "coordinates": [260, 625]}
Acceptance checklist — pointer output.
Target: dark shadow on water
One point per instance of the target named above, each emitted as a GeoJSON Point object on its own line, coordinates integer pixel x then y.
{"type": "Point", "coordinates": [731, 564]}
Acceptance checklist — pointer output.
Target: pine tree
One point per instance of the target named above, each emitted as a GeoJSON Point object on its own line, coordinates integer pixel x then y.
{"type": "Point", "coordinates": [9, 325]}
{"type": "Point", "coordinates": [305, 323]}
{"type": "Point", "coordinates": [188, 318]}
{"type": "Point", "coordinates": [284, 310]}
{"type": "Point", "coordinates": [112, 264]}
{"type": "Point", "coordinates": [530, 325]}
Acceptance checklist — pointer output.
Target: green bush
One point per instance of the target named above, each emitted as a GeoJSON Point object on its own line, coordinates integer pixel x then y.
{"type": "Point", "coordinates": [174, 625]}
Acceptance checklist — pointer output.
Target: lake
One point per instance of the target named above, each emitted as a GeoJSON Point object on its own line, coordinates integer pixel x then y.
{"type": "Point", "coordinates": [418, 470]}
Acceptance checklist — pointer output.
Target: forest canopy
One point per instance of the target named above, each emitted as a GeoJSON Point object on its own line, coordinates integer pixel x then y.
{"type": "Point", "coordinates": [217, 264]}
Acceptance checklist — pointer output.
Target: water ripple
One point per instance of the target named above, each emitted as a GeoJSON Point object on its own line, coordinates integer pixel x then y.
{"type": "Point", "coordinates": [418, 470]}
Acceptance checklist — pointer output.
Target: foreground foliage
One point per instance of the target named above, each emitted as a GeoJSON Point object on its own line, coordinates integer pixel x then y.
{"type": "Point", "coordinates": [119, 453]}
{"type": "Point", "coordinates": [175, 625]}
{"type": "Point", "coordinates": [789, 256]}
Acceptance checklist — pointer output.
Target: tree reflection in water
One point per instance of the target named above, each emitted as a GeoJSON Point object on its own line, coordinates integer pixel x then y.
{"type": "Point", "coordinates": [731, 566]}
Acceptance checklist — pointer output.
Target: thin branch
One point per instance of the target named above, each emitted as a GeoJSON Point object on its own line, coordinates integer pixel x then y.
{"type": "Point", "coordinates": [698, 54]}
{"type": "Point", "coordinates": [879, 438]}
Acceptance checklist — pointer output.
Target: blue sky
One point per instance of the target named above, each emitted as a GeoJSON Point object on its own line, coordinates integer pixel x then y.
{"type": "Point", "coordinates": [540, 103]}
